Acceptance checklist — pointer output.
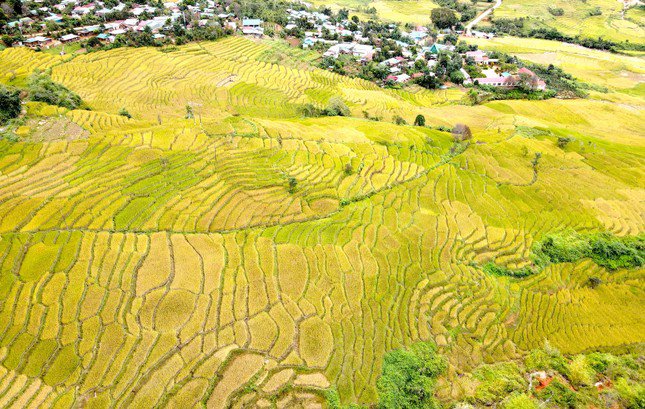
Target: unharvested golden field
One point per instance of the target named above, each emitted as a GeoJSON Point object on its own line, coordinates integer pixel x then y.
{"type": "Point", "coordinates": [249, 256]}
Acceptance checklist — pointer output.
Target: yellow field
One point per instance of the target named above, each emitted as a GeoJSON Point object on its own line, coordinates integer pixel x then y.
{"type": "Point", "coordinates": [611, 24]}
{"type": "Point", "coordinates": [617, 72]}
{"type": "Point", "coordinates": [163, 261]}
{"type": "Point", "coordinates": [405, 11]}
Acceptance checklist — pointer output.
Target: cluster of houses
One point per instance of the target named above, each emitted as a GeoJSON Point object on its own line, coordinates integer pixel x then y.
{"type": "Point", "coordinates": [420, 46]}
{"type": "Point", "coordinates": [339, 37]}
{"type": "Point", "coordinates": [139, 18]}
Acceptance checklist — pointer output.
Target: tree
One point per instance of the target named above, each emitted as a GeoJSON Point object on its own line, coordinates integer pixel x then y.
{"type": "Point", "coordinates": [9, 103]}
{"type": "Point", "coordinates": [420, 120]}
{"type": "Point", "coordinates": [337, 107]}
{"type": "Point", "coordinates": [409, 377]}
{"type": "Point", "coordinates": [443, 17]}
{"type": "Point", "coordinates": [461, 133]}
{"type": "Point", "coordinates": [527, 82]}
{"type": "Point", "coordinates": [456, 77]}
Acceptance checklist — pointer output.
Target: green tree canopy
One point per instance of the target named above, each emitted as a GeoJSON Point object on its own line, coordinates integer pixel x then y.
{"type": "Point", "coordinates": [9, 103]}
{"type": "Point", "coordinates": [409, 377]}
{"type": "Point", "coordinates": [443, 17]}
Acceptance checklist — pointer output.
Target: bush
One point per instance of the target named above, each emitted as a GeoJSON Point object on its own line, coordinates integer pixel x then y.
{"type": "Point", "coordinates": [497, 382]}
{"type": "Point", "coordinates": [604, 249]}
{"type": "Point", "coordinates": [496, 270]}
{"type": "Point", "coordinates": [614, 253]}
{"type": "Point", "coordinates": [580, 372]}
{"type": "Point", "coordinates": [42, 88]}
{"type": "Point", "coordinates": [561, 395]}
{"type": "Point", "coordinates": [556, 11]}
{"type": "Point", "coordinates": [409, 377]}
{"type": "Point", "coordinates": [461, 133]}
{"type": "Point", "coordinates": [399, 120]}
{"type": "Point", "coordinates": [563, 142]}
{"type": "Point", "coordinates": [632, 395]}
{"type": "Point", "coordinates": [520, 401]}
{"type": "Point", "coordinates": [337, 107]}
{"type": "Point", "coordinates": [595, 12]}
{"type": "Point", "coordinates": [293, 184]}
{"type": "Point", "coordinates": [124, 112]}
{"type": "Point", "coordinates": [9, 103]}
{"type": "Point", "coordinates": [545, 359]}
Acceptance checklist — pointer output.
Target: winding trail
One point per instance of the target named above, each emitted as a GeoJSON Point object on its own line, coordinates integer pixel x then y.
{"type": "Point", "coordinates": [482, 16]}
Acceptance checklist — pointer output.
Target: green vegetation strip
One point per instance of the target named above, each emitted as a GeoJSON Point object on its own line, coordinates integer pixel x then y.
{"type": "Point", "coordinates": [604, 249]}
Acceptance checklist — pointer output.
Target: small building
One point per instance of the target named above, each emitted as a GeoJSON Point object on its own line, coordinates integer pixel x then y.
{"type": "Point", "coordinates": [252, 27]}
{"type": "Point", "coordinates": [252, 22]}
{"type": "Point", "coordinates": [69, 38]}
{"type": "Point", "coordinates": [38, 41]}
{"type": "Point", "coordinates": [480, 57]}
{"type": "Point", "coordinates": [401, 79]}
{"type": "Point", "coordinates": [437, 48]}
{"type": "Point", "coordinates": [362, 51]}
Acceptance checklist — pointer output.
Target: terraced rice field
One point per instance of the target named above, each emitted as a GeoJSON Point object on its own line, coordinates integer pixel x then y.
{"type": "Point", "coordinates": [406, 11]}
{"type": "Point", "coordinates": [578, 18]}
{"type": "Point", "coordinates": [163, 261]}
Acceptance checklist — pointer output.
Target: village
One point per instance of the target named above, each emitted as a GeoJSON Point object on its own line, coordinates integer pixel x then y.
{"type": "Point", "coordinates": [385, 53]}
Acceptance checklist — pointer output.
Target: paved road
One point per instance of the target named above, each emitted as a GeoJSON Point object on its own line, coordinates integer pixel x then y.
{"type": "Point", "coordinates": [482, 16]}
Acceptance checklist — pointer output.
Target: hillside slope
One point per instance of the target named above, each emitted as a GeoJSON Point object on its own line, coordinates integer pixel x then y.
{"type": "Point", "coordinates": [161, 261]}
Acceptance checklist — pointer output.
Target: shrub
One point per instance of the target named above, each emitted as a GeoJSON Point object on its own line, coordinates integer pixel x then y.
{"type": "Point", "coordinates": [409, 377]}
{"type": "Point", "coordinates": [293, 184]}
{"type": "Point", "coordinates": [563, 142]}
{"type": "Point", "coordinates": [310, 111]}
{"type": "Point", "coordinates": [556, 11]}
{"type": "Point", "coordinates": [42, 88]}
{"type": "Point", "coordinates": [632, 395]}
{"type": "Point", "coordinates": [420, 120]}
{"type": "Point", "coordinates": [604, 249]}
{"type": "Point", "coordinates": [9, 103]}
{"type": "Point", "coordinates": [497, 382]}
{"type": "Point", "coordinates": [558, 393]}
{"type": "Point", "coordinates": [546, 358]}
{"type": "Point", "coordinates": [598, 361]}
{"type": "Point", "coordinates": [520, 401]}
{"type": "Point", "coordinates": [124, 112]}
{"type": "Point", "coordinates": [614, 253]}
{"type": "Point", "coordinates": [496, 270]}
{"type": "Point", "coordinates": [594, 282]}
{"type": "Point", "coordinates": [399, 120]}
{"type": "Point", "coordinates": [337, 107]}
{"type": "Point", "coordinates": [580, 372]}
{"type": "Point", "coordinates": [461, 133]}
{"type": "Point", "coordinates": [595, 12]}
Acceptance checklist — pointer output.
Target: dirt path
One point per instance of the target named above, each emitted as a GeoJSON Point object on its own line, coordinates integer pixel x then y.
{"type": "Point", "coordinates": [482, 16]}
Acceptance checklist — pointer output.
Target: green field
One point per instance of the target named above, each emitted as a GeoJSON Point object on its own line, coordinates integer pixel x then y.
{"type": "Point", "coordinates": [160, 261]}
